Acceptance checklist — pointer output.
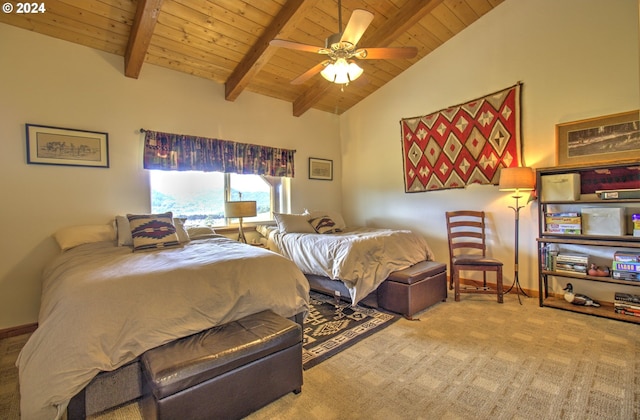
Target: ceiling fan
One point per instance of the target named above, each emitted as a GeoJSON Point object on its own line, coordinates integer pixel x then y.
{"type": "Point", "coordinates": [341, 49]}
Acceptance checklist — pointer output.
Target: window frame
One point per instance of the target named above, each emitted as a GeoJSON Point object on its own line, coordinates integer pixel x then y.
{"type": "Point", "coordinates": [280, 198]}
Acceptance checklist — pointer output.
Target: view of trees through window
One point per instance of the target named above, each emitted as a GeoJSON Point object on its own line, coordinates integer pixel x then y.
{"type": "Point", "coordinates": [200, 196]}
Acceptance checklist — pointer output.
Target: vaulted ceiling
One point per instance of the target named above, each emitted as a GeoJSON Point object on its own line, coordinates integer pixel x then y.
{"type": "Point", "coordinates": [227, 41]}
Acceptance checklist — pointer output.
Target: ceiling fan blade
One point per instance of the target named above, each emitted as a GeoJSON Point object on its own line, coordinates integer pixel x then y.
{"type": "Point", "coordinates": [310, 73]}
{"type": "Point", "coordinates": [298, 46]}
{"type": "Point", "coordinates": [385, 53]}
{"type": "Point", "coordinates": [358, 23]}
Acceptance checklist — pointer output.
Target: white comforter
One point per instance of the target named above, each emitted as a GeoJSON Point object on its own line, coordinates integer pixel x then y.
{"type": "Point", "coordinates": [103, 305]}
{"type": "Point", "coordinates": [361, 257]}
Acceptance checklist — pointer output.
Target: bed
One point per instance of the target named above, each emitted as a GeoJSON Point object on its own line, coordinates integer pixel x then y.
{"type": "Point", "coordinates": [335, 257]}
{"type": "Point", "coordinates": [103, 305]}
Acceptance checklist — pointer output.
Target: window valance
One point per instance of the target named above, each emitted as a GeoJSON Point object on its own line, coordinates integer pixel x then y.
{"type": "Point", "coordinates": [179, 152]}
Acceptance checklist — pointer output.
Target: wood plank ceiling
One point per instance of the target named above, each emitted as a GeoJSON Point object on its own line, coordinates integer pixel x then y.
{"type": "Point", "coordinates": [227, 41]}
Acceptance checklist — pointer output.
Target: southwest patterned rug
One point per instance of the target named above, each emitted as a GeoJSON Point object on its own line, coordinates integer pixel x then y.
{"type": "Point", "coordinates": [332, 327]}
{"type": "Point", "coordinates": [463, 144]}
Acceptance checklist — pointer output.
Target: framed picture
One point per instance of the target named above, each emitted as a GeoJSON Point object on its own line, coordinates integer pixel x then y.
{"type": "Point", "coordinates": [320, 169]}
{"type": "Point", "coordinates": [65, 146]}
{"type": "Point", "coordinates": [610, 138]}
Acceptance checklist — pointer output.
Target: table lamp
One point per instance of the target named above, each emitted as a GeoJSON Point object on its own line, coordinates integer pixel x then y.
{"type": "Point", "coordinates": [240, 209]}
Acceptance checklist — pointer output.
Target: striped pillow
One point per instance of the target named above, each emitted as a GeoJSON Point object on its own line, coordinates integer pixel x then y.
{"type": "Point", "coordinates": [152, 231]}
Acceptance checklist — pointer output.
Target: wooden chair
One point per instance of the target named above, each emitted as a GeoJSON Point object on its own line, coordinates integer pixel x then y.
{"type": "Point", "coordinates": [467, 252]}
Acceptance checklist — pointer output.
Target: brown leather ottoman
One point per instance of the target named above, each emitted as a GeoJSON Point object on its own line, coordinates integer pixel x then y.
{"type": "Point", "coordinates": [414, 289]}
{"type": "Point", "coordinates": [226, 372]}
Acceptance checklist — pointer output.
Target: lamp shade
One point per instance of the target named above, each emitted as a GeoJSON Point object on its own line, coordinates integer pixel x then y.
{"type": "Point", "coordinates": [235, 209]}
{"type": "Point", "coordinates": [341, 72]}
{"type": "Point", "coordinates": [517, 178]}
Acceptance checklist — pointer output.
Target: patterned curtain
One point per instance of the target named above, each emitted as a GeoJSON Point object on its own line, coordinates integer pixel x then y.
{"type": "Point", "coordinates": [177, 152]}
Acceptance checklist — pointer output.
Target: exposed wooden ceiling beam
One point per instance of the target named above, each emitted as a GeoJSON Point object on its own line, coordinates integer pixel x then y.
{"type": "Point", "coordinates": [291, 14]}
{"type": "Point", "coordinates": [310, 97]}
{"type": "Point", "coordinates": [140, 36]}
{"type": "Point", "coordinates": [408, 15]}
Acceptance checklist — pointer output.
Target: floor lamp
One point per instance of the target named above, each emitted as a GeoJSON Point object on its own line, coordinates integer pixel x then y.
{"type": "Point", "coordinates": [516, 179]}
{"type": "Point", "coordinates": [240, 209]}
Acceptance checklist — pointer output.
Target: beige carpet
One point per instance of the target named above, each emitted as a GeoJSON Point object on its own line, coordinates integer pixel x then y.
{"type": "Point", "coordinates": [474, 359]}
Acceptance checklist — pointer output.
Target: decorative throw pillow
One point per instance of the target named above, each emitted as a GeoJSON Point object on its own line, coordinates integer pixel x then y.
{"type": "Point", "coordinates": [293, 223]}
{"type": "Point", "coordinates": [123, 229]}
{"type": "Point", "coordinates": [324, 224]}
{"type": "Point", "coordinates": [334, 215]}
{"type": "Point", "coordinates": [152, 231]}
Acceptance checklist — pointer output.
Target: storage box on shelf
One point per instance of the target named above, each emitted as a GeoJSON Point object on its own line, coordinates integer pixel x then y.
{"type": "Point", "coordinates": [578, 208]}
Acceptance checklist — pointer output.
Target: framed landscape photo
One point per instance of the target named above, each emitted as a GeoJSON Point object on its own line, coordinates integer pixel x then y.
{"type": "Point", "coordinates": [65, 146]}
{"type": "Point", "coordinates": [320, 169]}
{"type": "Point", "coordinates": [610, 138]}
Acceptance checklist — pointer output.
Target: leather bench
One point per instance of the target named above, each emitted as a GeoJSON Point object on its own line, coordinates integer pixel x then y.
{"type": "Point", "coordinates": [225, 372]}
{"type": "Point", "coordinates": [414, 289]}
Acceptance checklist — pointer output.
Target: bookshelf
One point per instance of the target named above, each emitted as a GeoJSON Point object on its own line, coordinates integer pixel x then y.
{"type": "Point", "coordinates": [555, 203]}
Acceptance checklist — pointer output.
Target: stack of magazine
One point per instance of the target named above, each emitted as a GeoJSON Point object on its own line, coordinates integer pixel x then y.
{"type": "Point", "coordinates": [627, 304]}
{"type": "Point", "coordinates": [572, 263]}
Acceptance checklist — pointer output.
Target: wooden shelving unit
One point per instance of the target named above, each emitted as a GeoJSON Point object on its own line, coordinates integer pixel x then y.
{"type": "Point", "coordinates": [606, 309]}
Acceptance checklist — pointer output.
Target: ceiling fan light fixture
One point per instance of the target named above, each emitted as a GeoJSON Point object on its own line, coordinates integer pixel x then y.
{"type": "Point", "coordinates": [341, 72]}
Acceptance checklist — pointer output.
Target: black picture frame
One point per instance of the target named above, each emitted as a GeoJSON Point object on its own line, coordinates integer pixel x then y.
{"type": "Point", "coordinates": [48, 145]}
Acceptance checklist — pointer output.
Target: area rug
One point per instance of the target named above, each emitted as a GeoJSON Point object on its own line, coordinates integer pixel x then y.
{"type": "Point", "coordinates": [333, 326]}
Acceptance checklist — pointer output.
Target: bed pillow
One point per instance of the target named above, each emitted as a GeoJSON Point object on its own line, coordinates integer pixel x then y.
{"type": "Point", "coordinates": [181, 231]}
{"type": "Point", "coordinates": [73, 236]}
{"type": "Point", "coordinates": [333, 215]}
{"type": "Point", "coordinates": [153, 231]}
{"type": "Point", "coordinates": [324, 224]}
{"type": "Point", "coordinates": [199, 232]}
{"type": "Point", "coordinates": [293, 223]}
{"type": "Point", "coordinates": [123, 229]}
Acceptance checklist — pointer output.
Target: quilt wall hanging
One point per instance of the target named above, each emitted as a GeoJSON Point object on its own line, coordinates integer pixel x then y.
{"type": "Point", "coordinates": [463, 144]}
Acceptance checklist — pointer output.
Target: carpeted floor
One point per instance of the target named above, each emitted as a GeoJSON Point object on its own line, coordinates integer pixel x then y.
{"type": "Point", "coordinates": [473, 359]}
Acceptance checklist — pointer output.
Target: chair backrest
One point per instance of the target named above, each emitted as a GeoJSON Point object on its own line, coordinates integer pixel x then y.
{"type": "Point", "coordinates": [466, 232]}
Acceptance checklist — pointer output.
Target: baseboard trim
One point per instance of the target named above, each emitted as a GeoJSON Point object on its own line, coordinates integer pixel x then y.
{"type": "Point", "coordinates": [19, 330]}
{"type": "Point", "coordinates": [505, 287]}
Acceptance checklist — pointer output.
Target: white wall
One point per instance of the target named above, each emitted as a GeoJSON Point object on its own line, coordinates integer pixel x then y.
{"type": "Point", "coordinates": [51, 82]}
{"type": "Point", "coordinates": [577, 59]}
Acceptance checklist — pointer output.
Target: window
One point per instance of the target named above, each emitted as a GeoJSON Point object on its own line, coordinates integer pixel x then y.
{"type": "Point", "coordinates": [200, 196]}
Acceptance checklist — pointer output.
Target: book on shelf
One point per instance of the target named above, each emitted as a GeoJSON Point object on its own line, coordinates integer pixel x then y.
{"type": "Point", "coordinates": [623, 256]}
{"type": "Point", "coordinates": [633, 267]}
{"type": "Point", "coordinates": [575, 258]}
{"type": "Point", "coordinates": [627, 297]}
{"type": "Point", "coordinates": [561, 220]}
{"type": "Point", "coordinates": [566, 223]}
{"type": "Point", "coordinates": [618, 194]}
{"type": "Point", "coordinates": [571, 266]}
{"type": "Point", "coordinates": [626, 305]}
{"type": "Point", "coordinates": [563, 214]}
{"type": "Point", "coordinates": [575, 269]}
{"type": "Point", "coordinates": [549, 254]}
{"type": "Point", "coordinates": [625, 311]}
{"type": "Point", "coordinates": [625, 275]}
{"type": "Point", "coordinates": [565, 230]}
